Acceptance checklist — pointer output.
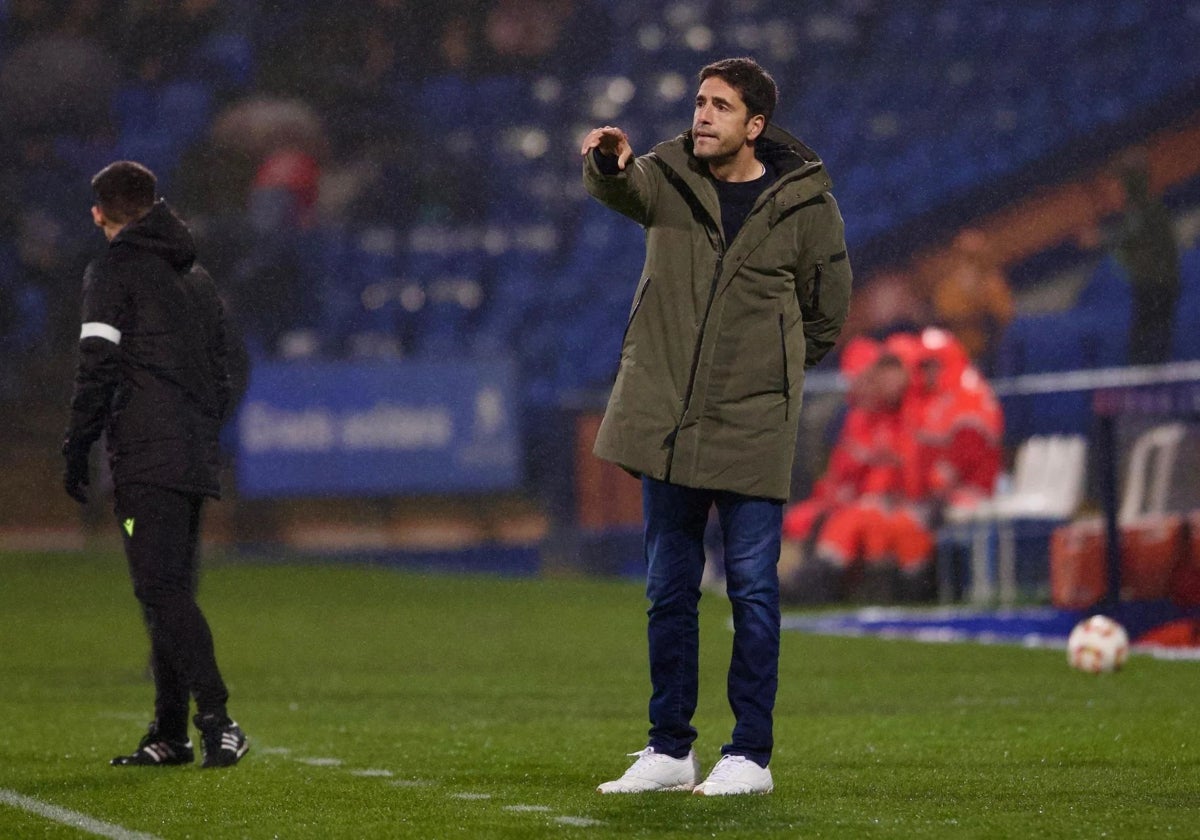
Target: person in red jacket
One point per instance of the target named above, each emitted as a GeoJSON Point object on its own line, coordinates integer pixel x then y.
{"type": "Point", "coordinates": [958, 438]}
{"type": "Point", "coordinates": [939, 444]}
{"type": "Point", "coordinates": [863, 465]}
{"type": "Point", "coordinates": [952, 456]}
{"type": "Point", "coordinates": [850, 457]}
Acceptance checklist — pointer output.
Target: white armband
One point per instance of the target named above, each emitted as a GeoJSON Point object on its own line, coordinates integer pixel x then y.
{"type": "Point", "coordinates": [99, 330]}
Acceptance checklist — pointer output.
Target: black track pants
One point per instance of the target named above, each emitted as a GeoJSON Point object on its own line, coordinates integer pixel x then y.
{"type": "Point", "coordinates": [161, 530]}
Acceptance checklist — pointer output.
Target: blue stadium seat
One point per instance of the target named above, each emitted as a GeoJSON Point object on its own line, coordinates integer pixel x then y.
{"type": "Point", "coordinates": [85, 156]}
{"type": "Point", "coordinates": [338, 290]}
{"type": "Point", "coordinates": [1106, 290]}
{"type": "Point", "coordinates": [135, 108]}
{"type": "Point", "coordinates": [225, 59]}
{"type": "Point", "coordinates": [1185, 340]}
{"type": "Point", "coordinates": [494, 100]}
{"type": "Point", "coordinates": [442, 330]}
{"type": "Point", "coordinates": [1189, 266]}
{"type": "Point", "coordinates": [1050, 343]}
{"type": "Point", "coordinates": [445, 103]}
{"type": "Point", "coordinates": [185, 110]}
{"type": "Point", "coordinates": [360, 284]}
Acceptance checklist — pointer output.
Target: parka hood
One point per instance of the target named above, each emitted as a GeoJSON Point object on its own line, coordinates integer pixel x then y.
{"type": "Point", "coordinates": [801, 173]}
{"type": "Point", "coordinates": [163, 234]}
{"type": "Point", "coordinates": [783, 151]}
{"type": "Point", "coordinates": [774, 146]}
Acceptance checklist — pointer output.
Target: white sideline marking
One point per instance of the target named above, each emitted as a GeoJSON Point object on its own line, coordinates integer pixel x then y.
{"type": "Point", "coordinates": [324, 761]}
{"type": "Point", "coordinates": [72, 818]}
{"type": "Point", "coordinates": [576, 822]}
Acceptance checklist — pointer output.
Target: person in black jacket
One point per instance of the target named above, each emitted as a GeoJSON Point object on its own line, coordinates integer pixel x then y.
{"type": "Point", "coordinates": [152, 375]}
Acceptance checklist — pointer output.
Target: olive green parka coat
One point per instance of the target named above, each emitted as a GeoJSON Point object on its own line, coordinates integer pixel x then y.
{"type": "Point", "coordinates": [709, 386]}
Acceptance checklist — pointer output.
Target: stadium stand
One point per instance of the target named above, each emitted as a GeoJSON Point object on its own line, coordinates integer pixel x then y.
{"type": "Point", "coordinates": [451, 221]}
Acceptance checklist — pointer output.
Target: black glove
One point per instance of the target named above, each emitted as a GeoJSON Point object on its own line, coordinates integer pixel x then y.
{"type": "Point", "coordinates": [75, 476]}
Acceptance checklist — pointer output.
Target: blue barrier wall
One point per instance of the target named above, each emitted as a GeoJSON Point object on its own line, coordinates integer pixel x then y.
{"type": "Point", "coordinates": [377, 428]}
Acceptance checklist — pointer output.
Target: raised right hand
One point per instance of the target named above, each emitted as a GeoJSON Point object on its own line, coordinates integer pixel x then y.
{"type": "Point", "coordinates": [610, 140]}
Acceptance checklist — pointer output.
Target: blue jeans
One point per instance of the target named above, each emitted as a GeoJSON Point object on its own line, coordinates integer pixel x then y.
{"type": "Point", "coordinates": [674, 545]}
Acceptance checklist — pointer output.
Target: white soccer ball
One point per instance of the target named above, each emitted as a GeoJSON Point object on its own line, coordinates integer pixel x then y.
{"type": "Point", "coordinates": [1097, 645]}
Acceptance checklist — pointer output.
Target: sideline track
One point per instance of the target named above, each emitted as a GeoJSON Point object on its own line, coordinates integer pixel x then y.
{"type": "Point", "coordinates": [1033, 627]}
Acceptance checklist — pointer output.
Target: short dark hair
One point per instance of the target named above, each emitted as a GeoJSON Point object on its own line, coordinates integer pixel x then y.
{"type": "Point", "coordinates": [754, 84]}
{"type": "Point", "coordinates": [124, 191]}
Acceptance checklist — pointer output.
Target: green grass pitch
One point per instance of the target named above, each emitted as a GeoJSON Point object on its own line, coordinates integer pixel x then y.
{"type": "Point", "coordinates": [388, 704]}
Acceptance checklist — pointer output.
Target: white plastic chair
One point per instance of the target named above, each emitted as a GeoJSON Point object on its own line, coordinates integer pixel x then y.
{"type": "Point", "coordinates": [1048, 483]}
{"type": "Point", "coordinates": [1047, 487]}
{"type": "Point", "coordinates": [1148, 478]}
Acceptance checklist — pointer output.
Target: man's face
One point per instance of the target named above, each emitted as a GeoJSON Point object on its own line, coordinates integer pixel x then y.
{"type": "Point", "coordinates": [721, 124]}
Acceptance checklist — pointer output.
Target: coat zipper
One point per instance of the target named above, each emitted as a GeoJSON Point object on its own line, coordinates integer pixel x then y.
{"type": "Point", "coordinates": [816, 292]}
{"type": "Point", "coordinates": [787, 380]}
{"type": "Point", "coordinates": [637, 304]}
{"type": "Point", "coordinates": [687, 397]}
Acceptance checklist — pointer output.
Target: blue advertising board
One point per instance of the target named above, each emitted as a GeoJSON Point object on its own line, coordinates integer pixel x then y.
{"type": "Point", "coordinates": [377, 428]}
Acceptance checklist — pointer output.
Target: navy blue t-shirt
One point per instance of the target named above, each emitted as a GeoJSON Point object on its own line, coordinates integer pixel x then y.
{"type": "Point", "coordinates": [737, 199]}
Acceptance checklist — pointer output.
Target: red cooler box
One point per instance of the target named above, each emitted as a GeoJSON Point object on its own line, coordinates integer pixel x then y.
{"type": "Point", "coordinates": [1185, 587]}
{"type": "Point", "coordinates": [1152, 550]}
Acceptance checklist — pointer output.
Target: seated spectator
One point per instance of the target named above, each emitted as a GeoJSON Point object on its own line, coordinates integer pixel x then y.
{"type": "Point", "coordinates": [939, 435]}
{"type": "Point", "coordinates": [862, 464]}
{"type": "Point", "coordinates": [851, 455]}
{"type": "Point", "coordinates": [957, 437]}
{"type": "Point", "coordinates": [284, 193]}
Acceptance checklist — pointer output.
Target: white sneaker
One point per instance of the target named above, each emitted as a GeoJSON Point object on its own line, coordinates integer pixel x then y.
{"type": "Point", "coordinates": [734, 775]}
{"type": "Point", "coordinates": [656, 771]}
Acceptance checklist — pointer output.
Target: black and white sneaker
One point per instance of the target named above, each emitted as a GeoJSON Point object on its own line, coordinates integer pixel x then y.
{"type": "Point", "coordinates": [157, 751]}
{"type": "Point", "coordinates": [222, 741]}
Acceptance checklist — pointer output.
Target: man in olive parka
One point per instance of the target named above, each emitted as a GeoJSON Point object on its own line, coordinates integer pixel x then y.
{"type": "Point", "coordinates": [746, 283]}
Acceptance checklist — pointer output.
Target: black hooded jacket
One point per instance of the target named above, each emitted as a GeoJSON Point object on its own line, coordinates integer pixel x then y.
{"type": "Point", "coordinates": [152, 359]}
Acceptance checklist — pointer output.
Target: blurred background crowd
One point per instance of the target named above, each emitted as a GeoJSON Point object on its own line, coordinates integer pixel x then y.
{"type": "Point", "coordinates": [396, 179]}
